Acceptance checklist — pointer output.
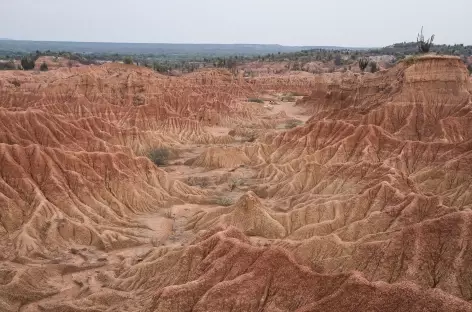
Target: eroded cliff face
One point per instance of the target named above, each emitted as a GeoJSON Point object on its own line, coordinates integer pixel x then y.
{"type": "Point", "coordinates": [408, 101]}
{"type": "Point", "coordinates": [365, 207]}
{"type": "Point", "coordinates": [379, 180]}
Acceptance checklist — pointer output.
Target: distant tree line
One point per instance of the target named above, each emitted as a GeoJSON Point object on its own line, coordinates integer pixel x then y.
{"type": "Point", "coordinates": [342, 59]}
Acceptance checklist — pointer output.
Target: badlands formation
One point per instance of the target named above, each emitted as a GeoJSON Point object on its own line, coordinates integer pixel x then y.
{"type": "Point", "coordinates": [364, 206]}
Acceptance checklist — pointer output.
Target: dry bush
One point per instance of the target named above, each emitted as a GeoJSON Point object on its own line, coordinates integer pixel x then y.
{"type": "Point", "coordinates": [235, 183]}
{"type": "Point", "coordinates": [159, 156]}
{"type": "Point", "coordinates": [224, 201]}
{"type": "Point", "coordinates": [202, 182]}
{"type": "Point", "coordinates": [293, 123]}
{"type": "Point", "coordinates": [288, 98]}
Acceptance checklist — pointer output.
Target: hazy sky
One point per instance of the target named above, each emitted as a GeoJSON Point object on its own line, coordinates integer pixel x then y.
{"type": "Point", "coordinates": [291, 22]}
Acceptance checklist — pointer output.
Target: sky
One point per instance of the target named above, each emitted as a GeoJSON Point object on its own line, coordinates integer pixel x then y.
{"type": "Point", "coordinates": [350, 23]}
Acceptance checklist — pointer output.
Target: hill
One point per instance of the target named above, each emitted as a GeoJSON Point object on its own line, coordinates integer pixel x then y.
{"type": "Point", "coordinates": [148, 48]}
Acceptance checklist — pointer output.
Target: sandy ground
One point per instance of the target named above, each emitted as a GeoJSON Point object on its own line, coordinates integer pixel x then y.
{"type": "Point", "coordinates": [168, 228]}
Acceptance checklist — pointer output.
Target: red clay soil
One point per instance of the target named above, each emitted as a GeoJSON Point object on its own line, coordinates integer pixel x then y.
{"type": "Point", "coordinates": [365, 207]}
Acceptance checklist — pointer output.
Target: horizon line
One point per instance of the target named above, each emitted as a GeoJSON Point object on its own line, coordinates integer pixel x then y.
{"type": "Point", "coordinates": [194, 43]}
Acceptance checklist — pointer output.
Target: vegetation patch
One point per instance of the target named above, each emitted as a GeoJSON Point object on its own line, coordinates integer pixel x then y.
{"type": "Point", "coordinates": [224, 201]}
{"type": "Point", "coordinates": [128, 60]}
{"type": "Point", "coordinates": [28, 63]}
{"type": "Point", "coordinates": [410, 60]}
{"type": "Point", "coordinates": [202, 182]}
{"type": "Point", "coordinates": [255, 100]}
{"type": "Point", "coordinates": [234, 184]}
{"type": "Point", "coordinates": [43, 67]}
{"type": "Point", "coordinates": [159, 156]}
{"type": "Point", "coordinates": [288, 98]}
{"type": "Point", "coordinates": [292, 123]}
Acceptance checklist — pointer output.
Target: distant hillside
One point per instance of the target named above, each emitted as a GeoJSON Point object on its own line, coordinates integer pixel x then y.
{"type": "Point", "coordinates": [406, 48]}
{"type": "Point", "coordinates": [150, 48]}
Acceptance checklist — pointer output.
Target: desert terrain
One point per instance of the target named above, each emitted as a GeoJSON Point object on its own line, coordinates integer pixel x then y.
{"type": "Point", "coordinates": [122, 189]}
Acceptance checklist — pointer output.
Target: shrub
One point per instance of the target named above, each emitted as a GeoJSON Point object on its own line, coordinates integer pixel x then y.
{"type": "Point", "coordinates": [255, 100]}
{"type": "Point", "coordinates": [224, 201]}
{"type": "Point", "coordinates": [161, 68]}
{"type": "Point", "coordinates": [234, 183]}
{"type": "Point", "coordinates": [363, 62]}
{"type": "Point", "coordinates": [373, 67]}
{"type": "Point", "coordinates": [424, 46]}
{"type": "Point", "coordinates": [410, 60]}
{"type": "Point", "coordinates": [128, 60]}
{"type": "Point", "coordinates": [27, 63]}
{"type": "Point", "coordinates": [337, 60]}
{"type": "Point", "coordinates": [43, 67]}
{"type": "Point", "coordinates": [159, 156]}
{"type": "Point", "coordinates": [288, 98]}
{"type": "Point", "coordinates": [293, 123]}
{"type": "Point", "coordinates": [470, 68]}
{"type": "Point", "coordinates": [203, 182]}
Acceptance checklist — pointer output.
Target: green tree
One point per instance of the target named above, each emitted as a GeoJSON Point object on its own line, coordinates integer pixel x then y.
{"type": "Point", "coordinates": [160, 68]}
{"type": "Point", "coordinates": [27, 63]}
{"type": "Point", "coordinates": [128, 60]}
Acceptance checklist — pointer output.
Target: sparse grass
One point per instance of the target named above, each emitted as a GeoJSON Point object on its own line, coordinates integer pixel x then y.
{"type": "Point", "coordinates": [224, 201]}
{"type": "Point", "coordinates": [202, 182]}
{"type": "Point", "coordinates": [410, 60]}
{"type": "Point", "coordinates": [255, 100]}
{"type": "Point", "coordinates": [159, 156]}
{"type": "Point", "coordinates": [288, 98]}
{"type": "Point", "coordinates": [293, 123]}
{"type": "Point", "coordinates": [235, 183]}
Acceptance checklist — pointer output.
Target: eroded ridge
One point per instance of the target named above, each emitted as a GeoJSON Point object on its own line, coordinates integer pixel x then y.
{"type": "Point", "coordinates": [365, 206]}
